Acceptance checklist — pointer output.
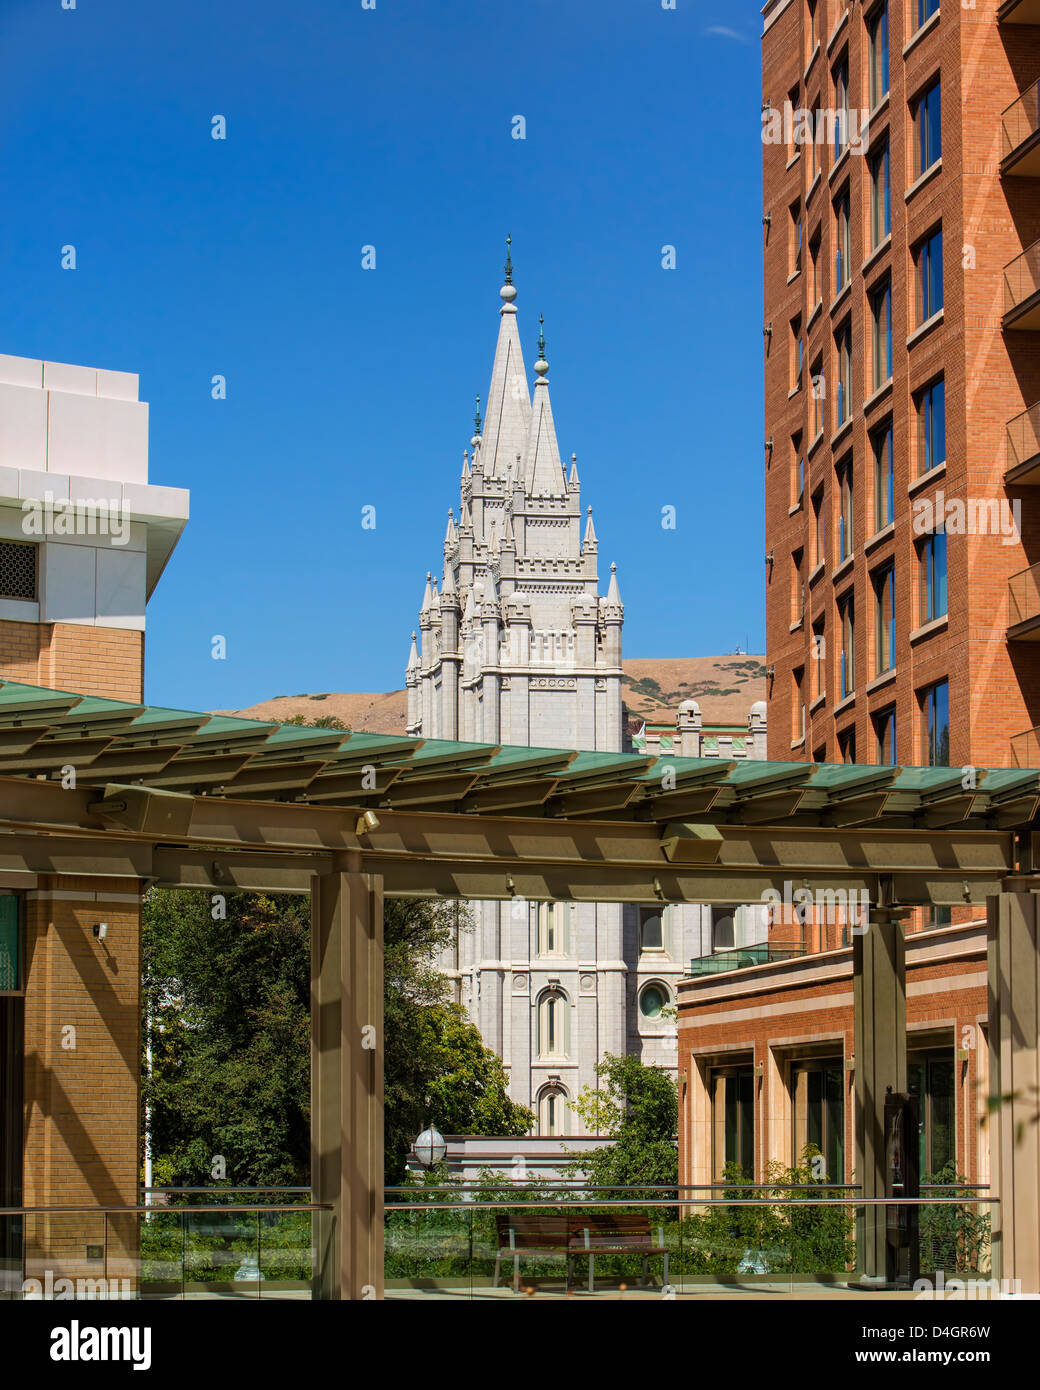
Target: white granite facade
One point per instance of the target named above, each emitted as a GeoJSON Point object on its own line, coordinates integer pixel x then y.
{"type": "Point", "coordinates": [518, 646]}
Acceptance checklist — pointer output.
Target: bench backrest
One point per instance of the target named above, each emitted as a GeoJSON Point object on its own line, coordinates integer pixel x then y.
{"type": "Point", "coordinates": [531, 1231]}
{"type": "Point", "coordinates": [609, 1228]}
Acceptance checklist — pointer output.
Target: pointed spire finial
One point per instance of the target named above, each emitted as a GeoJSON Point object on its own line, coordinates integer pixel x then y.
{"type": "Point", "coordinates": [541, 366]}
{"type": "Point", "coordinates": [478, 423]}
{"type": "Point", "coordinates": [508, 290]}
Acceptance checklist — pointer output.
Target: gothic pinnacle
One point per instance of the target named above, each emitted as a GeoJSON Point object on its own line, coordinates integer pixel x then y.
{"type": "Point", "coordinates": [541, 366]}
{"type": "Point", "coordinates": [508, 290]}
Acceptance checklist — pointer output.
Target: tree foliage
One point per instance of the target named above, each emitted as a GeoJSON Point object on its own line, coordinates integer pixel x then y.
{"type": "Point", "coordinates": [227, 996]}
{"type": "Point", "coordinates": [637, 1106]}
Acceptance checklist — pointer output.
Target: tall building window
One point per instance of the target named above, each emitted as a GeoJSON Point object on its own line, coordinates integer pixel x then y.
{"type": "Point", "coordinates": [815, 285]}
{"type": "Point", "coordinates": [935, 725]}
{"type": "Point", "coordinates": [733, 1120]}
{"type": "Point", "coordinates": [651, 929]}
{"type": "Point", "coordinates": [843, 347]}
{"type": "Point", "coordinates": [846, 538]}
{"type": "Point", "coordinates": [796, 238]}
{"type": "Point", "coordinates": [880, 196]}
{"type": "Point", "coordinates": [928, 118]}
{"type": "Point", "coordinates": [552, 1111]}
{"type": "Point", "coordinates": [931, 1078]}
{"type": "Point", "coordinates": [797, 470]}
{"type": "Point", "coordinates": [818, 1109]}
{"type": "Point", "coordinates": [885, 619]}
{"type": "Point", "coordinates": [847, 614]}
{"type": "Point", "coordinates": [842, 244]}
{"type": "Point", "coordinates": [797, 587]}
{"type": "Point", "coordinates": [798, 704]}
{"type": "Point", "coordinates": [797, 353]}
{"type": "Point", "coordinates": [884, 477]}
{"type": "Point", "coordinates": [877, 31]}
{"type": "Point", "coordinates": [553, 921]}
{"type": "Point", "coordinates": [929, 275]}
{"type": "Point", "coordinates": [881, 317]}
{"type": "Point", "coordinates": [933, 577]}
{"type": "Point", "coordinates": [819, 395]}
{"type": "Point", "coordinates": [925, 10]}
{"type": "Point", "coordinates": [841, 108]}
{"type": "Point", "coordinates": [553, 1024]}
{"type": "Point", "coordinates": [818, 654]}
{"type": "Point", "coordinates": [931, 425]}
{"type": "Point", "coordinates": [885, 737]}
{"type": "Point", "coordinates": [724, 924]}
{"type": "Point", "coordinates": [847, 745]}
{"type": "Point", "coordinates": [811, 7]}
{"type": "Point", "coordinates": [819, 529]}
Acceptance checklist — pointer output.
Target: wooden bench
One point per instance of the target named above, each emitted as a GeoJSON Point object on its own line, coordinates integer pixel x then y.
{"type": "Point", "coordinates": [577, 1236]}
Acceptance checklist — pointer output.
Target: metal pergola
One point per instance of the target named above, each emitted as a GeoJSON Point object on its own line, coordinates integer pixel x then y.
{"type": "Point", "coordinates": [90, 786]}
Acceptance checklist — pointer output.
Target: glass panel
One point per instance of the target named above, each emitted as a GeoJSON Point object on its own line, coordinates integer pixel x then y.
{"type": "Point", "coordinates": [834, 1102]}
{"type": "Point", "coordinates": [941, 1127]}
{"type": "Point", "coordinates": [10, 964]}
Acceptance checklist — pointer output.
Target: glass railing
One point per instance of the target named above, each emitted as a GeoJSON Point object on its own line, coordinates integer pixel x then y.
{"type": "Point", "coordinates": [721, 962]}
{"type": "Point", "coordinates": [552, 1242]}
{"type": "Point", "coordinates": [1022, 278]}
{"type": "Point", "coordinates": [1023, 437]}
{"type": "Point", "coordinates": [1024, 596]}
{"type": "Point", "coordinates": [198, 1251]}
{"type": "Point", "coordinates": [1021, 120]}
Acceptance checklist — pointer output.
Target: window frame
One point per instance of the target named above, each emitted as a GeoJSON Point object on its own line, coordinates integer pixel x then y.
{"type": "Point", "coordinates": [931, 728]}
{"type": "Point", "coordinates": [883, 583]}
{"type": "Point", "coordinates": [927, 127]}
{"type": "Point", "coordinates": [878, 56]}
{"type": "Point", "coordinates": [935, 586]}
{"type": "Point", "coordinates": [928, 275]}
{"type": "Point", "coordinates": [881, 335]}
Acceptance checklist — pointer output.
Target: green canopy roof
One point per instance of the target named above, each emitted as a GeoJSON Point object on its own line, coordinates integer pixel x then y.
{"type": "Point", "coordinates": [43, 732]}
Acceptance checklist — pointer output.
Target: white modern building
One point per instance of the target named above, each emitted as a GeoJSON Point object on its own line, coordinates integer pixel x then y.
{"type": "Point", "coordinates": [518, 646]}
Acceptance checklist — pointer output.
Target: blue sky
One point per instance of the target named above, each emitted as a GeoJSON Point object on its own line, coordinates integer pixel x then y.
{"type": "Point", "coordinates": [392, 127]}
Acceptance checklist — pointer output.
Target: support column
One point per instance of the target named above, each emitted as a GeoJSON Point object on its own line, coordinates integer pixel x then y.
{"type": "Point", "coordinates": [879, 995]}
{"type": "Point", "coordinates": [347, 1081]}
{"type": "Point", "coordinates": [1014, 1065]}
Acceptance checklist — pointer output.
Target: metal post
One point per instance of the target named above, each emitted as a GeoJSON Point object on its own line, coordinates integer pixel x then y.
{"type": "Point", "coordinates": [1014, 1030]}
{"type": "Point", "coordinates": [879, 994]}
{"type": "Point", "coordinates": [347, 1081]}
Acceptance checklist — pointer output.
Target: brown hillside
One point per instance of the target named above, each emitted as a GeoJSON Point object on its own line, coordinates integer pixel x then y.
{"type": "Point", "coordinates": [725, 687]}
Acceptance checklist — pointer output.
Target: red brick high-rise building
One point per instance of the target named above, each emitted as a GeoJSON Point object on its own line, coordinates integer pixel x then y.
{"type": "Point", "coordinates": [901, 231]}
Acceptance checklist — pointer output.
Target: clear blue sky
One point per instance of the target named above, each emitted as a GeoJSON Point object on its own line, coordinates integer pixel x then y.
{"type": "Point", "coordinates": [347, 387]}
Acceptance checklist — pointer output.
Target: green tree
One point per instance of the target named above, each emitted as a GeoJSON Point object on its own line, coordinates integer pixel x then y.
{"type": "Point", "coordinates": [637, 1106]}
{"type": "Point", "coordinates": [228, 998]}
{"type": "Point", "coordinates": [227, 995]}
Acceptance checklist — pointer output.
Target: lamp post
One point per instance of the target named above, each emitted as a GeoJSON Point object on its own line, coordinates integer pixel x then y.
{"type": "Point", "coordinates": [430, 1147]}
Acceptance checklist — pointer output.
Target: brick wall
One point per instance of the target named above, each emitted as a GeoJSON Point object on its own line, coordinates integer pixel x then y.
{"type": "Point", "coordinates": [104, 661]}
{"type": "Point", "coordinates": [991, 375]}
{"type": "Point", "coordinates": [769, 1016]}
{"type": "Point", "coordinates": [82, 1064]}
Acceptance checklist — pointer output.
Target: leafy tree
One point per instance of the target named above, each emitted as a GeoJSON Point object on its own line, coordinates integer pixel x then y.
{"type": "Point", "coordinates": [229, 1003]}
{"type": "Point", "coordinates": [437, 1068]}
{"type": "Point", "coordinates": [638, 1108]}
{"type": "Point", "coordinates": [227, 994]}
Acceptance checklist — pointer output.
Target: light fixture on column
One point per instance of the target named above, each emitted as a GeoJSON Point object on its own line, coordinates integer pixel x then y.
{"type": "Point", "coordinates": [429, 1148]}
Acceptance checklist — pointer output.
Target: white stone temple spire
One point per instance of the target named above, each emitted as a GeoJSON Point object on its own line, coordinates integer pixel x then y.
{"type": "Point", "coordinates": [508, 410]}
{"type": "Point", "coordinates": [543, 471]}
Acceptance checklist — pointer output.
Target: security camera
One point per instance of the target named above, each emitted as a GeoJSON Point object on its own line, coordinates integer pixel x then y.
{"type": "Point", "coordinates": [101, 930]}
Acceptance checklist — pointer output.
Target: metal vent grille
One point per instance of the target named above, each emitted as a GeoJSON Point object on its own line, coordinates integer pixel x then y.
{"type": "Point", "coordinates": [17, 570]}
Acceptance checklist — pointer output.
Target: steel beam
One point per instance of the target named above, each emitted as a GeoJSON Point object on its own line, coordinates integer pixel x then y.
{"type": "Point", "coordinates": [347, 1083]}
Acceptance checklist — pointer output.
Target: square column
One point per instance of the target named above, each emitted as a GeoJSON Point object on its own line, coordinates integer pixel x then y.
{"type": "Point", "coordinates": [879, 1002]}
{"type": "Point", "coordinates": [347, 1082]}
{"type": "Point", "coordinates": [1014, 1029]}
